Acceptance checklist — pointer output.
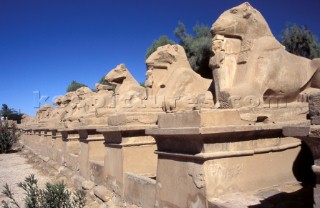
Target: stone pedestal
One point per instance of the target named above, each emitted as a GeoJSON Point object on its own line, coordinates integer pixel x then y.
{"type": "Point", "coordinates": [56, 145]}
{"type": "Point", "coordinates": [23, 136]}
{"type": "Point", "coordinates": [91, 158]}
{"type": "Point", "coordinates": [43, 143]}
{"type": "Point", "coordinates": [127, 149]}
{"type": "Point", "coordinates": [310, 135]}
{"type": "Point", "coordinates": [70, 149]}
{"type": "Point", "coordinates": [36, 141]}
{"type": "Point", "coordinates": [26, 137]}
{"type": "Point", "coordinates": [48, 149]}
{"type": "Point", "coordinates": [198, 163]}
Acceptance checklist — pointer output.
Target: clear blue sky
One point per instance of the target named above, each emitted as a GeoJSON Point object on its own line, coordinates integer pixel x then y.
{"type": "Point", "coordinates": [45, 44]}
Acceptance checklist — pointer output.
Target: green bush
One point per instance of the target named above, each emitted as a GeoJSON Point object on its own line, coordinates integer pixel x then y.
{"type": "Point", "coordinates": [73, 86]}
{"type": "Point", "coordinates": [8, 136]}
{"type": "Point", "coordinates": [301, 41]}
{"type": "Point", "coordinates": [52, 196]}
{"type": "Point", "coordinates": [163, 40]}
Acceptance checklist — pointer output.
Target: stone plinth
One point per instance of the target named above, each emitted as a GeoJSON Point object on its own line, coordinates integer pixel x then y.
{"type": "Point", "coordinates": [49, 145]}
{"type": "Point", "coordinates": [196, 164]}
{"type": "Point", "coordinates": [92, 152]}
{"type": "Point", "coordinates": [310, 135]}
{"type": "Point", "coordinates": [27, 137]}
{"type": "Point", "coordinates": [70, 149]}
{"type": "Point", "coordinates": [36, 141]}
{"type": "Point", "coordinates": [140, 190]}
{"type": "Point", "coordinates": [127, 149]}
{"type": "Point", "coordinates": [43, 143]}
{"type": "Point", "coordinates": [57, 145]}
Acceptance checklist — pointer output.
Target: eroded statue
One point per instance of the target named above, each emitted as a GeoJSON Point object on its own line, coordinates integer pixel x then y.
{"type": "Point", "coordinates": [249, 62]}
{"type": "Point", "coordinates": [79, 107]}
{"type": "Point", "coordinates": [127, 92]}
{"type": "Point", "coordinates": [171, 78]}
{"type": "Point", "coordinates": [43, 114]}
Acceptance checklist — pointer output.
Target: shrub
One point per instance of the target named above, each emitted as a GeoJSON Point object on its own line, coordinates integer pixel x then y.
{"type": "Point", "coordinates": [163, 40]}
{"type": "Point", "coordinates": [301, 41]}
{"type": "Point", "coordinates": [52, 196]}
{"type": "Point", "coordinates": [73, 86]}
{"type": "Point", "coordinates": [8, 136]}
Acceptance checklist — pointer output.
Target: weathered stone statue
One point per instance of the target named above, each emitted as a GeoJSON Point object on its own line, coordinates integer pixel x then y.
{"type": "Point", "coordinates": [44, 113]}
{"type": "Point", "coordinates": [126, 86]}
{"type": "Point", "coordinates": [80, 106]}
{"type": "Point", "coordinates": [127, 93]}
{"type": "Point", "coordinates": [27, 120]}
{"type": "Point", "coordinates": [250, 63]}
{"type": "Point", "coordinates": [101, 99]}
{"type": "Point", "coordinates": [170, 77]}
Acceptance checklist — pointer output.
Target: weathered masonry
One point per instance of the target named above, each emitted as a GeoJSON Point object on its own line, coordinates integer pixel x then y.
{"type": "Point", "coordinates": [243, 139]}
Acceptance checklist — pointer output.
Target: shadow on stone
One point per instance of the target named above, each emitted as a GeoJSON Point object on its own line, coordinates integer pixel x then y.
{"type": "Point", "coordinates": [302, 169]}
{"type": "Point", "coordinates": [303, 198]}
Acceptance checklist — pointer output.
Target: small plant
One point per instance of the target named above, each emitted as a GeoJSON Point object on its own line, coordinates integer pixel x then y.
{"type": "Point", "coordinates": [8, 136]}
{"type": "Point", "coordinates": [52, 196]}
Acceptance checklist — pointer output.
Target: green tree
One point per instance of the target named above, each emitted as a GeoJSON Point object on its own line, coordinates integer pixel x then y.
{"type": "Point", "coordinates": [74, 86]}
{"type": "Point", "coordinates": [10, 113]}
{"type": "Point", "coordinates": [163, 40]}
{"type": "Point", "coordinates": [103, 81]}
{"type": "Point", "coordinates": [197, 47]}
{"type": "Point", "coordinates": [8, 136]}
{"type": "Point", "coordinates": [301, 41]}
{"type": "Point", "coordinates": [5, 110]}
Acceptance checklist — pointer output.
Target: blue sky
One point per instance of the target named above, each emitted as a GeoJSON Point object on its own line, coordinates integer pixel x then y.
{"type": "Point", "coordinates": [45, 44]}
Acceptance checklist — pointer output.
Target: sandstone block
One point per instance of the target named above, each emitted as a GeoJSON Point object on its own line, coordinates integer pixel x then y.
{"type": "Point", "coordinates": [88, 185]}
{"type": "Point", "coordinates": [102, 193]}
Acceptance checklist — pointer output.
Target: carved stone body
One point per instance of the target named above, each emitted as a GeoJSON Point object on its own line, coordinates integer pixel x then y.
{"type": "Point", "coordinates": [170, 77]}
{"type": "Point", "coordinates": [249, 61]}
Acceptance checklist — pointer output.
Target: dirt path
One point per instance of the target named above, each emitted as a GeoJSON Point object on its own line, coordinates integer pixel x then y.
{"type": "Point", "coordinates": [14, 168]}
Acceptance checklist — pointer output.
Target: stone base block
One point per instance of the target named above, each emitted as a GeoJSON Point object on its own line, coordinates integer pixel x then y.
{"type": "Point", "coordinates": [139, 190]}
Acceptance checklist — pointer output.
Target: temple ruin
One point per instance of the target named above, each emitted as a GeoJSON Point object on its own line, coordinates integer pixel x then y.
{"type": "Point", "coordinates": [186, 141]}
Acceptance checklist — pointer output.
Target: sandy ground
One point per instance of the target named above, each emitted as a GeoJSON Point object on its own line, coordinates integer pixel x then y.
{"type": "Point", "coordinates": [14, 168]}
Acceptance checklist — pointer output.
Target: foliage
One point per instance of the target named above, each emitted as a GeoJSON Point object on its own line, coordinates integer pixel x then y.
{"type": "Point", "coordinates": [301, 41]}
{"type": "Point", "coordinates": [5, 110]}
{"type": "Point", "coordinates": [10, 113]}
{"type": "Point", "coordinates": [52, 196]}
{"type": "Point", "coordinates": [8, 136]}
{"type": "Point", "coordinates": [103, 81]}
{"type": "Point", "coordinates": [163, 40]}
{"type": "Point", "coordinates": [197, 47]}
{"type": "Point", "coordinates": [74, 86]}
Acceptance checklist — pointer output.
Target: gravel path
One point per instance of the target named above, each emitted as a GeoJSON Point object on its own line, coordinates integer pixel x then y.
{"type": "Point", "coordinates": [14, 168]}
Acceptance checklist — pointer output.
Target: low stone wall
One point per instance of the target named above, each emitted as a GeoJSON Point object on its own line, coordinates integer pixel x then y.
{"type": "Point", "coordinates": [170, 167]}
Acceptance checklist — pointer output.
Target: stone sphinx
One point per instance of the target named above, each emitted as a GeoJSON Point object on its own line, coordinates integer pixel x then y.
{"type": "Point", "coordinates": [92, 108]}
{"type": "Point", "coordinates": [100, 99]}
{"type": "Point", "coordinates": [171, 86]}
{"type": "Point", "coordinates": [43, 114]}
{"type": "Point", "coordinates": [27, 120]}
{"type": "Point", "coordinates": [127, 92]}
{"type": "Point", "coordinates": [249, 62]}
{"type": "Point", "coordinates": [79, 106]}
{"type": "Point", "coordinates": [62, 107]}
{"type": "Point", "coordinates": [126, 85]}
{"type": "Point", "coordinates": [171, 78]}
